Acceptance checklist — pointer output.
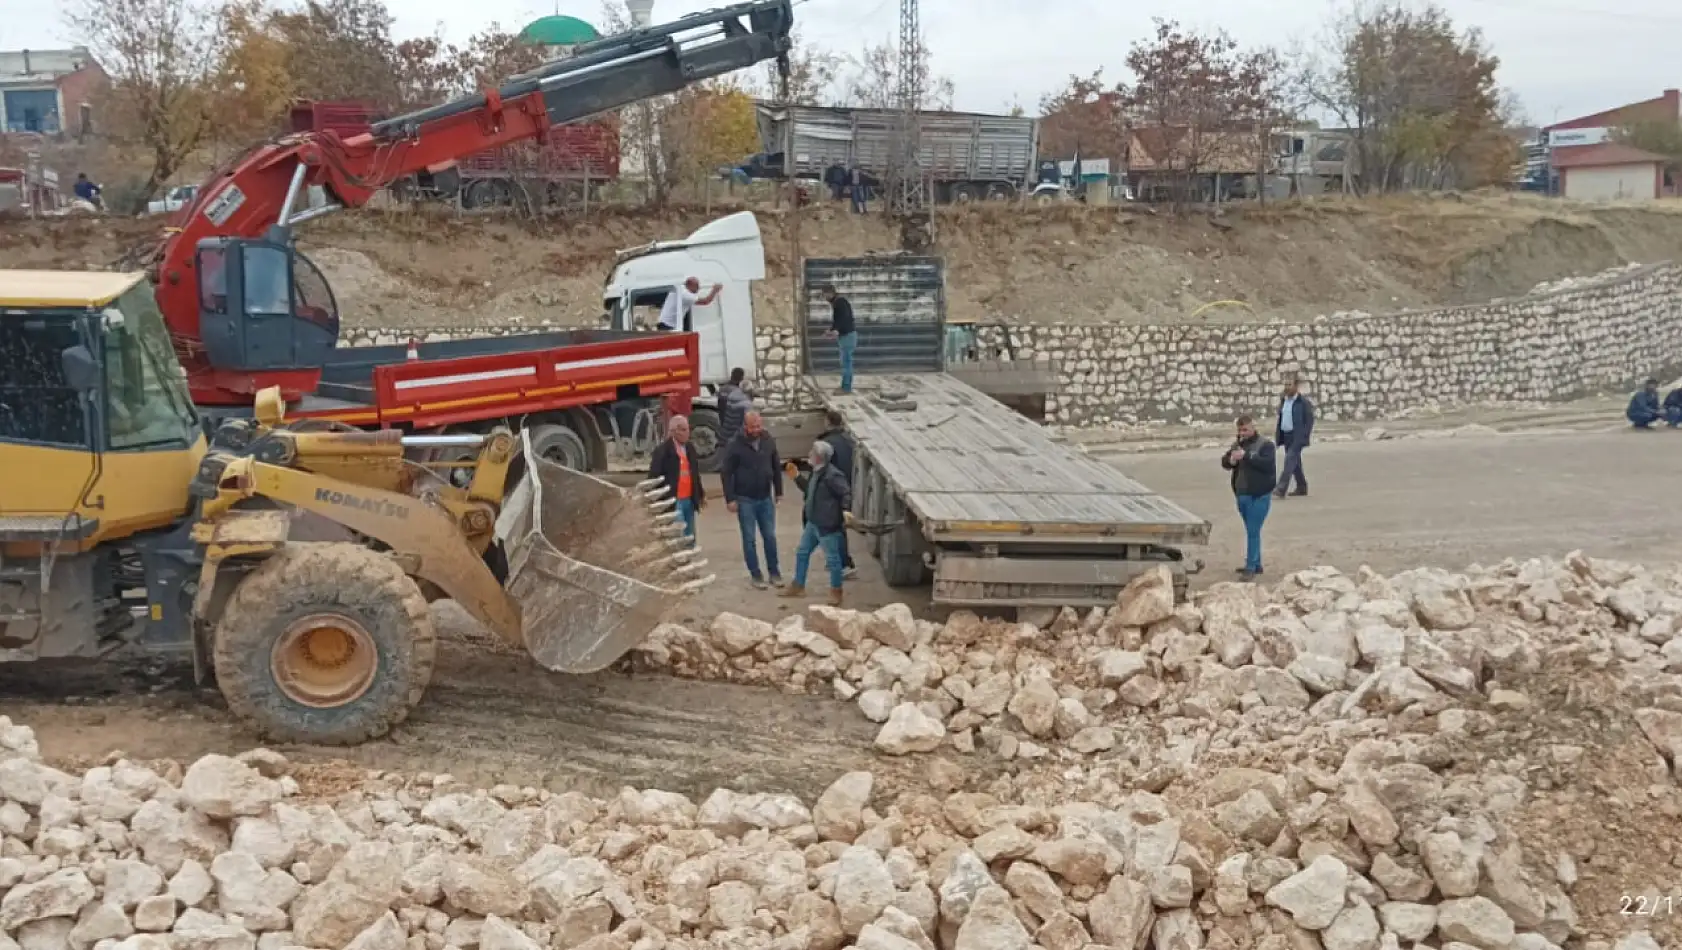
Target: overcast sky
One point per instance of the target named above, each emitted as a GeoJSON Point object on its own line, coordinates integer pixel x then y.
{"type": "Point", "coordinates": [1563, 59]}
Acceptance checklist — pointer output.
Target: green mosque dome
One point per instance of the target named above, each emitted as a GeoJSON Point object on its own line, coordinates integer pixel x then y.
{"type": "Point", "coordinates": [559, 31]}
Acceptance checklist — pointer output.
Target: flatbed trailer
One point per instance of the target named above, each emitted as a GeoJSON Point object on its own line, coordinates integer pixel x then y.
{"type": "Point", "coordinates": [954, 485]}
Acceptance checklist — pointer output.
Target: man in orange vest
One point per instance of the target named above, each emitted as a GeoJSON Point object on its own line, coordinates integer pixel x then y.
{"type": "Point", "coordinates": [675, 463]}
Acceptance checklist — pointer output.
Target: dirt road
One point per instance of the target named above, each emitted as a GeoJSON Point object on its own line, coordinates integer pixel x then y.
{"type": "Point", "coordinates": [496, 718]}
{"type": "Point", "coordinates": [1447, 502]}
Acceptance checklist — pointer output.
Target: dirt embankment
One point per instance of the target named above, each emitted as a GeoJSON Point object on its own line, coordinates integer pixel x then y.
{"type": "Point", "coordinates": [1043, 265]}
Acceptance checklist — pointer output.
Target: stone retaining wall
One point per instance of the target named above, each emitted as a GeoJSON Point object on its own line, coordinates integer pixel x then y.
{"type": "Point", "coordinates": [1586, 336]}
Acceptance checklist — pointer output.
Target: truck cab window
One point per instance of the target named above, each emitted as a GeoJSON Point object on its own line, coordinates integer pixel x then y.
{"type": "Point", "coordinates": [267, 273]}
{"type": "Point", "coordinates": [148, 403]}
{"type": "Point", "coordinates": [37, 403]}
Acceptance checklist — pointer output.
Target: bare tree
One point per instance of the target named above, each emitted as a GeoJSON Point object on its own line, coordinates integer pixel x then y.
{"type": "Point", "coordinates": [871, 83]}
{"type": "Point", "coordinates": [159, 55]}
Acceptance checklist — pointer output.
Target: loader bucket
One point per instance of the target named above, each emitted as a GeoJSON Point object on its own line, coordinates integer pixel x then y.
{"type": "Point", "coordinates": [594, 567]}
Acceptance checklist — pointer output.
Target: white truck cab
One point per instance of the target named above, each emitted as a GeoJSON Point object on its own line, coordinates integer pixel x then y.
{"type": "Point", "coordinates": [728, 252]}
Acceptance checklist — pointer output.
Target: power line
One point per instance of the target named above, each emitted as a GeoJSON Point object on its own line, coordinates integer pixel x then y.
{"type": "Point", "coordinates": [1526, 6]}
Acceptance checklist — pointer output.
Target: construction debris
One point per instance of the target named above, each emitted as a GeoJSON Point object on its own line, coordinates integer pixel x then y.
{"type": "Point", "coordinates": [1350, 763]}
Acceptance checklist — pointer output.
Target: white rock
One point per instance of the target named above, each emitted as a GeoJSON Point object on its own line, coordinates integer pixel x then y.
{"type": "Point", "coordinates": [1116, 667]}
{"type": "Point", "coordinates": [384, 934]}
{"type": "Point", "coordinates": [863, 887]}
{"type": "Point", "coordinates": [838, 813]}
{"type": "Point", "coordinates": [1411, 922]}
{"type": "Point", "coordinates": [1313, 896]}
{"type": "Point", "coordinates": [1476, 921]}
{"type": "Point", "coordinates": [220, 787]}
{"type": "Point", "coordinates": [1354, 928]}
{"type": "Point", "coordinates": [909, 729]}
{"type": "Point", "coordinates": [991, 924]}
{"type": "Point", "coordinates": [59, 894]}
{"type": "Point", "coordinates": [155, 914]}
{"type": "Point", "coordinates": [359, 889]}
{"type": "Point", "coordinates": [1147, 599]}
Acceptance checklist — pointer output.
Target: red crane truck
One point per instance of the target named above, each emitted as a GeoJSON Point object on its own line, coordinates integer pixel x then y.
{"type": "Point", "coordinates": [246, 310]}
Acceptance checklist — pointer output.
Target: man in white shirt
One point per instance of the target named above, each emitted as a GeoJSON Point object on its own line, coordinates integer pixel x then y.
{"type": "Point", "coordinates": [681, 301]}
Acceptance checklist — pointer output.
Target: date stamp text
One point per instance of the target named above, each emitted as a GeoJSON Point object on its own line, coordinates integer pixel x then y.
{"type": "Point", "coordinates": [1648, 905]}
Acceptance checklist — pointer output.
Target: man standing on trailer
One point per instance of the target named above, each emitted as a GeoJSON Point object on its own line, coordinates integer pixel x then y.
{"type": "Point", "coordinates": [1296, 423]}
{"type": "Point", "coordinates": [753, 484]}
{"type": "Point", "coordinates": [844, 331]}
{"type": "Point", "coordinates": [680, 303]}
{"type": "Point", "coordinates": [674, 463]}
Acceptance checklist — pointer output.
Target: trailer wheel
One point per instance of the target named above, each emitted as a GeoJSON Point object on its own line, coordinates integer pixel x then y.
{"type": "Point", "coordinates": [329, 644]}
{"type": "Point", "coordinates": [1000, 191]}
{"type": "Point", "coordinates": [561, 445]}
{"type": "Point", "coordinates": [706, 434]}
{"type": "Point", "coordinates": [901, 551]}
{"type": "Point", "coordinates": [965, 193]}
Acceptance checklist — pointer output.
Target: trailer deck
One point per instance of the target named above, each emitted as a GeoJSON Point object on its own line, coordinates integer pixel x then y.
{"type": "Point", "coordinates": [973, 470]}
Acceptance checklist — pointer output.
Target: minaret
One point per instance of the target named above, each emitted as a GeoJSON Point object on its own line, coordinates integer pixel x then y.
{"type": "Point", "coordinates": [642, 12]}
{"type": "Point", "coordinates": [633, 161]}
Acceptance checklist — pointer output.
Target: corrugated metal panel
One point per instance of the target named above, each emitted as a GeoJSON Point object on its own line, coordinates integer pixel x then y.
{"type": "Point", "coordinates": [955, 146]}
{"type": "Point", "coordinates": [899, 303]}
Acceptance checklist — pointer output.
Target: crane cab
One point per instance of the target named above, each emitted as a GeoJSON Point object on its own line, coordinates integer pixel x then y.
{"type": "Point", "coordinates": [264, 306]}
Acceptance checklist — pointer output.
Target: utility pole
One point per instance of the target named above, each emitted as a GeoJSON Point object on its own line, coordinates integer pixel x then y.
{"type": "Point", "coordinates": [908, 197]}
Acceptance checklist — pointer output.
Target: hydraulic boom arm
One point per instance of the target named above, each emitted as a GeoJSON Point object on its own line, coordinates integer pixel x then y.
{"type": "Point", "coordinates": [246, 312]}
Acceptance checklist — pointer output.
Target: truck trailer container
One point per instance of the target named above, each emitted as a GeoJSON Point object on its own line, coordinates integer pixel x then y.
{"type": "Point", "coordinates": [968, 156]}
{"type": "Point", "coordinates": [956, 487]}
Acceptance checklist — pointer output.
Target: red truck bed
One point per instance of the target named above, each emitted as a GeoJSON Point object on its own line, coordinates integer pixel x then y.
{"type": "Point", "coordinates": [496, 377]}
{"type": "Point", "coordinates": [571, 151]}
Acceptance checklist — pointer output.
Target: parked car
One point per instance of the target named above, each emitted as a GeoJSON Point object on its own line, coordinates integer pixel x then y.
{"type": "Point", "coordinates": [173, 200]}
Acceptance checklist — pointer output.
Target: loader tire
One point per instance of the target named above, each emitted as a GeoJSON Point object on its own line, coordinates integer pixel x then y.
{"type": "Point", "coordinates": [327, 644]}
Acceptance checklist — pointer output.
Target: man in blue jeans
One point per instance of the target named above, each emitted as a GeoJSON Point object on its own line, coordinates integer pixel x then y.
{"type": "Point", "coordinates": [827, 499]}
{"type": "Point", "coordinates": [674, 462]}
{"type": "Point", "coordinates": [1251, 462]}
{"type": "Point", "coordinates": [844, 331]}
{"type": "Point", "coordinates": [752, 477]}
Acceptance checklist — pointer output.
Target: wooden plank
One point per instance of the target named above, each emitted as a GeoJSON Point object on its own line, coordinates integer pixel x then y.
{"type": "Point", "coordinates": [962, 460]}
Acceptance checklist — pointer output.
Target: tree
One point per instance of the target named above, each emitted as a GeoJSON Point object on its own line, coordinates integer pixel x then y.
{"type": "Point", "coordinates": [342, 49]}
{"type": "Point", "coordinates": [1085, 116]}
{"type": "Point", "coordinates": [1419, 98]}
{"type": "Point", "coordinates": [1199, 104]}
{"type": "Point", "coordinates": [873, 82]}
{"type": "Point", "coordinates": [253, 76]}
{"type": "Point", "coordinates": [159, 57]}
{"type": "Point", "coordinates": [1656, 136]}
{"type": "Point", "coordinates": [813, 75]}
{"type": "Point", "coordinates": [493, 56]}
{"type": "Point", "coordinates": [704, 127]}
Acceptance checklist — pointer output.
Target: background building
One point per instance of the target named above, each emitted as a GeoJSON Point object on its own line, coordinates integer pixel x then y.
{"type": "Point", "coordinates": [1590, 164]}
{"type": "Point", "coordinates": [47, 91]}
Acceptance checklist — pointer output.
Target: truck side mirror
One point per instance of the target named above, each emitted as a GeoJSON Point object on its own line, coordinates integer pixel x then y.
{"type": "Point", "coordinates": [81, 370]}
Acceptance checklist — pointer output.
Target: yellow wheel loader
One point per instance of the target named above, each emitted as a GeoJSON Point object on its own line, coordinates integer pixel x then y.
{"type": "Point", "coordinates": [296, 563]}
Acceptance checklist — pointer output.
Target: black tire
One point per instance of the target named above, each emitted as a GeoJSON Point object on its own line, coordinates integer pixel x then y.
{"type": "Point", "coordinates": [346, 583]}
{"type": "Point", "coordinates": [706, 434]}
{"type": "Point", "coordinates": [560, 444]}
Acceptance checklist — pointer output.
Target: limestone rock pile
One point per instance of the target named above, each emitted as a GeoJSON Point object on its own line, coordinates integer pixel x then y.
{"type": "Point", "coordinates": [1322, 653]}
{"type": "Point", "coordinates": [229, 854]}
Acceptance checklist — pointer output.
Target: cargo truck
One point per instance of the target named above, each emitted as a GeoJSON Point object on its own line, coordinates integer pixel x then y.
{"type": "Point", "coordinates": [968, 156]}
{"type": "Point", "coordinates": [952, 485]}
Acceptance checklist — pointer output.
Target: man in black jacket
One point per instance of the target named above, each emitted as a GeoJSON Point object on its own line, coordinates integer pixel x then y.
{"type": "Point", "coordinates": [1296, 424]}
{"type": "Point", "coordinates": [676, 464]}
{"type": "Point", "coordinates": [827, 499]}
{"type": "Point", "coordinates": [838, 439]}
{"type": "Point", "coordinates": [1251, 462]}
{"type": "Point", "coordinates": [734, 403]}
{"type": "Point", "coordinates": [843, 329]}
{"type": "Point", "coordinates": [753, 484]}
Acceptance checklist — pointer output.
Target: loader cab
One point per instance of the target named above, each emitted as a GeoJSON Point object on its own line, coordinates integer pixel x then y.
{"type": "Point", "coordinates": [728, 252]}
{"type": "Point", "coordinates": [98, 433]}
{"type": "Point", "coordinates": [263, 305]}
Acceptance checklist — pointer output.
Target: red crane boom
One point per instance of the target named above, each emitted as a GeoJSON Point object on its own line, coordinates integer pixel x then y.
{"type": "Point", "coordinates": [247, 311]}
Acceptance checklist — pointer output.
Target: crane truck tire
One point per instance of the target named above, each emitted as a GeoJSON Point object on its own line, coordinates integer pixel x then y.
{"type": "Point", "coordinates": [561, 445]}
{"type": "Point", "coordinates": [706, 434]}
{"type": "Point", "coordinates": [327, 644]}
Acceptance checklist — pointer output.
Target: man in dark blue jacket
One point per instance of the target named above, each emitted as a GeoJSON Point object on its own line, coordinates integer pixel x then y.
{"type": "Point", "coordinates": [836, 435]}
{"type": "Point", "coordinates": [752, 477]}
{"type": "Point", "coordinates": [1295, 425]}
{"type": "Point", "coordinates": [1251, 462]}
{"type": "Point", "coordinates": [1673, 407]}
{"type": "Point", "coordinates": [1644, 409]}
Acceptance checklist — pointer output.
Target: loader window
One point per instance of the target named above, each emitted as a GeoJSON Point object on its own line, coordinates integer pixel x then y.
{"type": "Point", "coordinates": [149, 404]}
{"type": "Point", "coordinates": [37, 404]}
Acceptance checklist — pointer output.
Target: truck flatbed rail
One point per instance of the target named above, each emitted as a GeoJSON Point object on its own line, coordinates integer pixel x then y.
{"type": "Point", "coordinates": [973, 470]}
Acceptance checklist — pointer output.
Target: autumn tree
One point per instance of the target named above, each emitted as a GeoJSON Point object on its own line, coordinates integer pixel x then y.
{"type": "Point", "coordinates": [1199, 104]}
{"type": "Point", "coordinates": [1086, 116]}
{"type": "Point", "coordinates": [253, 77]}
{"type": "Point", "coordinates": [159, 57]}
{"type": "Point", "coordinates": [1657, 136]}
{"type": "Point", "coordinates": [873, 80]}
{"type": "Point", "coordinates": [1419, 97]}
{"type": "Point", "coordinates": [704, 127]}
{"type": "Point", "coordinates": [814, 75]}
{"type": "Point", "coordinates": [341, 50]}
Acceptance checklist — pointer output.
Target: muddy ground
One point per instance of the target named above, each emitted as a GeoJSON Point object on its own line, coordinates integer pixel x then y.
{"type": "Point", "coordinates": [490, 718]}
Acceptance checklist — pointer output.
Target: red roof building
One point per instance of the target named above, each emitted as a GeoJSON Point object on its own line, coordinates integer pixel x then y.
{"type": "Point", "coordinates": [1592, 167]}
